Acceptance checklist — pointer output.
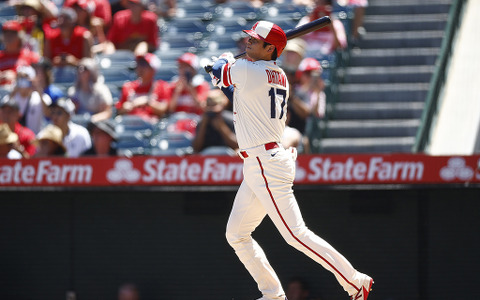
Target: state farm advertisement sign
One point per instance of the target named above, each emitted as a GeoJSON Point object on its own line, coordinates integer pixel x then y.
{"type": "Point", "coordinates": [212, 170]}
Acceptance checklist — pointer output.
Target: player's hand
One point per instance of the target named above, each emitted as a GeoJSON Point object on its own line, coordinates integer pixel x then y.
{"type": "Point", "coordinates": [228, 56]}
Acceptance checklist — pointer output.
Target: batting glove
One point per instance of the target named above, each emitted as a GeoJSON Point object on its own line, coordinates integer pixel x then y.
{"type": "Point", "coordinates": [228, 56]}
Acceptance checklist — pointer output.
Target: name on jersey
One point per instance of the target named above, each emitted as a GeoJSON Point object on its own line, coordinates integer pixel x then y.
{"type": "Point", "coordinates": [275, 77]}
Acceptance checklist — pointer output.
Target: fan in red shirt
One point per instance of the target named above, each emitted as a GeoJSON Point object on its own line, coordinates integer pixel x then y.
{"type": "Point", "coordinates": [14, 55]}
{"type": "Point", "coordinates": [69, 43]}
{"type": "Point", "coordinates": [102, 9]}
{"type": "Point", "coordinates": [189, 89]}
{"type": "Point", "coordinates": [132, 26]}
{"type": "Point", "coordinates": [145, 97]}
{"type": "Point", "coordinates": [10, 114]}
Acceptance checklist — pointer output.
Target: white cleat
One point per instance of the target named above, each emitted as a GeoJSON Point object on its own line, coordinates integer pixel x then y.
{"type": "Point", "coordinates": [364, 291]}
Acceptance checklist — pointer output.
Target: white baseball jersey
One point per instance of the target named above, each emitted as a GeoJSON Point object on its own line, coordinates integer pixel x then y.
{"type": "Point", "coordinates": [260, 101]}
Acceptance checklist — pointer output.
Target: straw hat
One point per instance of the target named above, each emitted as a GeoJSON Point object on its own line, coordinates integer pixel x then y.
{"type": "Point", "coordinates": [6, 135]}
{"type": "Point", "coordinates": [52, 133]}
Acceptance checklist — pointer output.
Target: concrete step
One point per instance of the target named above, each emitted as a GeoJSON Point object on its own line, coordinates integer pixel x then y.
{"type": "Point", "coordinates": [381, 23]}
{"type": "Point", "coordinates": [394, 57]}
{"type": "Point", "coordinates": [395, 74]}
{"type": "Point", "coordinates": [372, 128]}
{"type": "Point", "coordinates": [368, 145]}
{"type": "Point", "coordinates": [402, 39]}
{"type": "Point", "coordinates": [378, 110]}
{"type": "Point", "coordinates": [385, 92]}
{"type": "Point", "coordinates": [408, 7]}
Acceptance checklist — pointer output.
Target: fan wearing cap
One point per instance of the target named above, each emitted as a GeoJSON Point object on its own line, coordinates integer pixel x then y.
{"type": "Point", "coordinates": [75, 137]}
{"type": "Point", "coordinates": [50, 142]}
{"type": "Point", "coordinates": [260, 92]}
{"type": "Point", "coordinates": [310, 83]}
{"type": "Point", "coordinates": [145, 97]}
{"type": "Point", "coordinates": [8, 139]}
{"type": "Point", "coordinates": [9, 114]}
{"type": "Point", "coordinates": [134, 25]}
{"type": "Point", "coordinates": [14, 53]}
{"type": "Point", "coordinates": [189, 89]}
{"type": "Point", "coordinates": [103, 138]}
{"type": "Point", "coordinates": [68, 43]}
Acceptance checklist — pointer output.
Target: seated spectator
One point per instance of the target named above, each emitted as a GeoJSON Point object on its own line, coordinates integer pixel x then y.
{"type": "Point", "coordinates": [32, 102]}
{"type": "Point", "coordinates": [99, 10]}
{"type": "Point", "coordinates": [75, 137]}
{"type": "Point", "coordinates": [44, 80]}
{"type": "Point", "coordinates": [216, 126]}
{"type": "Point", "coordinates": [14, 54]}
{"type": "Point", "coordinates": [166, 9]}
{"type": "Point", "coordinates": [68, 43]}
{"type": "Point", "coordinates": [50, 142]}
{"type": "Point", "coordinates": [9, 114]}
{"type": "Point", "coordinates": [311, 83]}
{"type": "Point", "coordinates": [89, 94]}
{"type": "Point", "coordinates": [7, 142]}
{"type": "Point", "coordinates": [133, 26]}
{"type": "Point", "coordinates": [327, 39]}
{"type": "Point", "coordinates": [103, 137]}
{"type": "Point", "coordinates": [293, 54]}
{"type": "Point", "coordinates": [145, 97]}
{"type": "Point", "coordinates": [33, 15]}
{"type": "Point", "coordinates": [189, 89]}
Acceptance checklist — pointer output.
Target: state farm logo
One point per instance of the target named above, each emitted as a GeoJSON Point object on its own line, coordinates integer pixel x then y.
{"type": "Point", "coordinates": [456, 169]}
{"type": "Point", "coordinates": [123, 170]}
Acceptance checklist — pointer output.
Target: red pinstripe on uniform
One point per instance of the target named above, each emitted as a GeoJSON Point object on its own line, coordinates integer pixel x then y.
{"type": "Point", "coordinates": [226, 77]}
{"type": "Point", "coordinates": [290, 231]}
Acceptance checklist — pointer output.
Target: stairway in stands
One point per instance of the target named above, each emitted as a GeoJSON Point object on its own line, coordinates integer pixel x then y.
{"type": "Point", "coordinates": [382, 96]}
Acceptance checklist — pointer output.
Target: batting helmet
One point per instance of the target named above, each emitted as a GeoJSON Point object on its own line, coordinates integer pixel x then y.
{"type": "Point", "coordinates": [270, 33]}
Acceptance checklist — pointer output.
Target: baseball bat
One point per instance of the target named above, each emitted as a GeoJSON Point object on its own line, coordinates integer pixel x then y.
{"type": "Point", "coordinates": [293, 33]}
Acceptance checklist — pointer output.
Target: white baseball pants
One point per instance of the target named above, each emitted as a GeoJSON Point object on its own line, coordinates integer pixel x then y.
{"type": "Point", "coordinates": [267, 189]}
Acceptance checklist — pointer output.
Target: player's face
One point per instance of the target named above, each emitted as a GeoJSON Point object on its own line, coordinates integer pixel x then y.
{"type": "Point", "coordinates": [256, 51]}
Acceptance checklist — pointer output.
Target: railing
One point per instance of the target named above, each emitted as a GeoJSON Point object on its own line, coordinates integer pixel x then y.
{"type": "Point", "coordinates": [438, 78]}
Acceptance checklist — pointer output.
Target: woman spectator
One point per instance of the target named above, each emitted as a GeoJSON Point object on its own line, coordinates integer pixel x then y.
{"type": "Point", "coordinates": [50, 142]}
{"type": "Point", "coordinates": [90, 95]}
{"type": "Point", "coordinates": [69, 42]}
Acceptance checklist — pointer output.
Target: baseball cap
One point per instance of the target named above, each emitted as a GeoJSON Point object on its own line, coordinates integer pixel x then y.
{"type": "Point", "coordinates": [189, 59]}
{"type": "Point", "coordinates": [10, 102]}
{"type": "Point", "coordinates": [12, 25]}
{"type": "Point", "coordinates": [309, 64]}
{"type": "Point", "coordinates": [66, 104]}
{"type": "Point", "coordinates": [29, 71]}
{"type": "Point", "coordinates": [153, 61]}
{"type": "Point", "coordinates": [270, 33]}
{"type": "Point", "coordinates": [106, 126]}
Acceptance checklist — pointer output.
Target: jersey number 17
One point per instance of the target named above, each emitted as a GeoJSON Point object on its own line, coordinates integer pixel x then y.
{"type": "Point", "coordinates": [273, 93]}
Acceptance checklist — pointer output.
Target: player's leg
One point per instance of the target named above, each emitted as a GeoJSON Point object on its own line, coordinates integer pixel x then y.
{"type": "Point", "coordinates": [247, 213]}
{"type": "Point", "coordinates": [274, 190]}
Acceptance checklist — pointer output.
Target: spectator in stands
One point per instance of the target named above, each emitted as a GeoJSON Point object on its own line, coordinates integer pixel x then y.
{"type": "Point", "coordinates": [327, 39]}
{"type": "Point", "coordinates": [145, 97]}
{"type": "Point", "coordinates": [293, 54]}
{"type": "Point", "coordinates": [103, 138]}
{"type": "Point", "coordinates": [14, 54]}
{"type": "Point", "coordinates": [32, 15]}
{"type": "Point", "coordinates": [102, 10]}
{"type": "Point", "coordinates": [189, 89]}
{"type": "Point", "coordinates": [44, 79]}
{"type": "Point", "coordinates": [297, 289]}
{"type": "Point", "coordinates": [311, 83]}
{"type": "Point", "coordinates": [216, 126]}
{"type": "Point", "coordinates": [89, 94]}
{"type": "Point", "coordinates": [9, 114]}
{"type": "Point", "coordinates": [134, 25]}
{"type": "Point", "coordinates": [31, 100]}
{"type": "Point", "coordinates": [75, 137]}
{"type": "Point", "coordinates": [166, 9]}
{"type": "Point", "coordinates": [359, 7]}
{"type": "Point", "coordinates": [69, 42]}
{"type": "Point", "coordinates": [50, 142]}
{"type": "Point", "coordinates": [7, 142]}
{"type": "Point", "coordinates": [128, 292]}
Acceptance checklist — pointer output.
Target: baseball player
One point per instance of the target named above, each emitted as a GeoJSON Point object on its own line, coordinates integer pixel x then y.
{"type": "Point", "coordinates": [259, 90]}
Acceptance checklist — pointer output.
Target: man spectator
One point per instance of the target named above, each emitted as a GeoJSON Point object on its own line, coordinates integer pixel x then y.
{"type": "Point", "coordinates": [31, 101]}
{"type": "Point", "coordinates": [145, 97]}
{"type": "Point", "coordinates": [189, 89]}
{"type": "Point", "coordinates": [14, 54]}
{"type": "Point", "coordinates": [216, 126]}
{"type": "Point", "coordinates": [69, 42]}
{"type": "Point", "coordinates": [50, 142]}
{"type": "Point", "coordinates": [75, 137]}
{"type": "Point", "coordinates": [7, 142]}
{"type": "Point", "coordinates": [134, 25]}
{"type": "Point", "coordinates": [9, 114]}
{"type": "Point", "coordinates": [103, 136]}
